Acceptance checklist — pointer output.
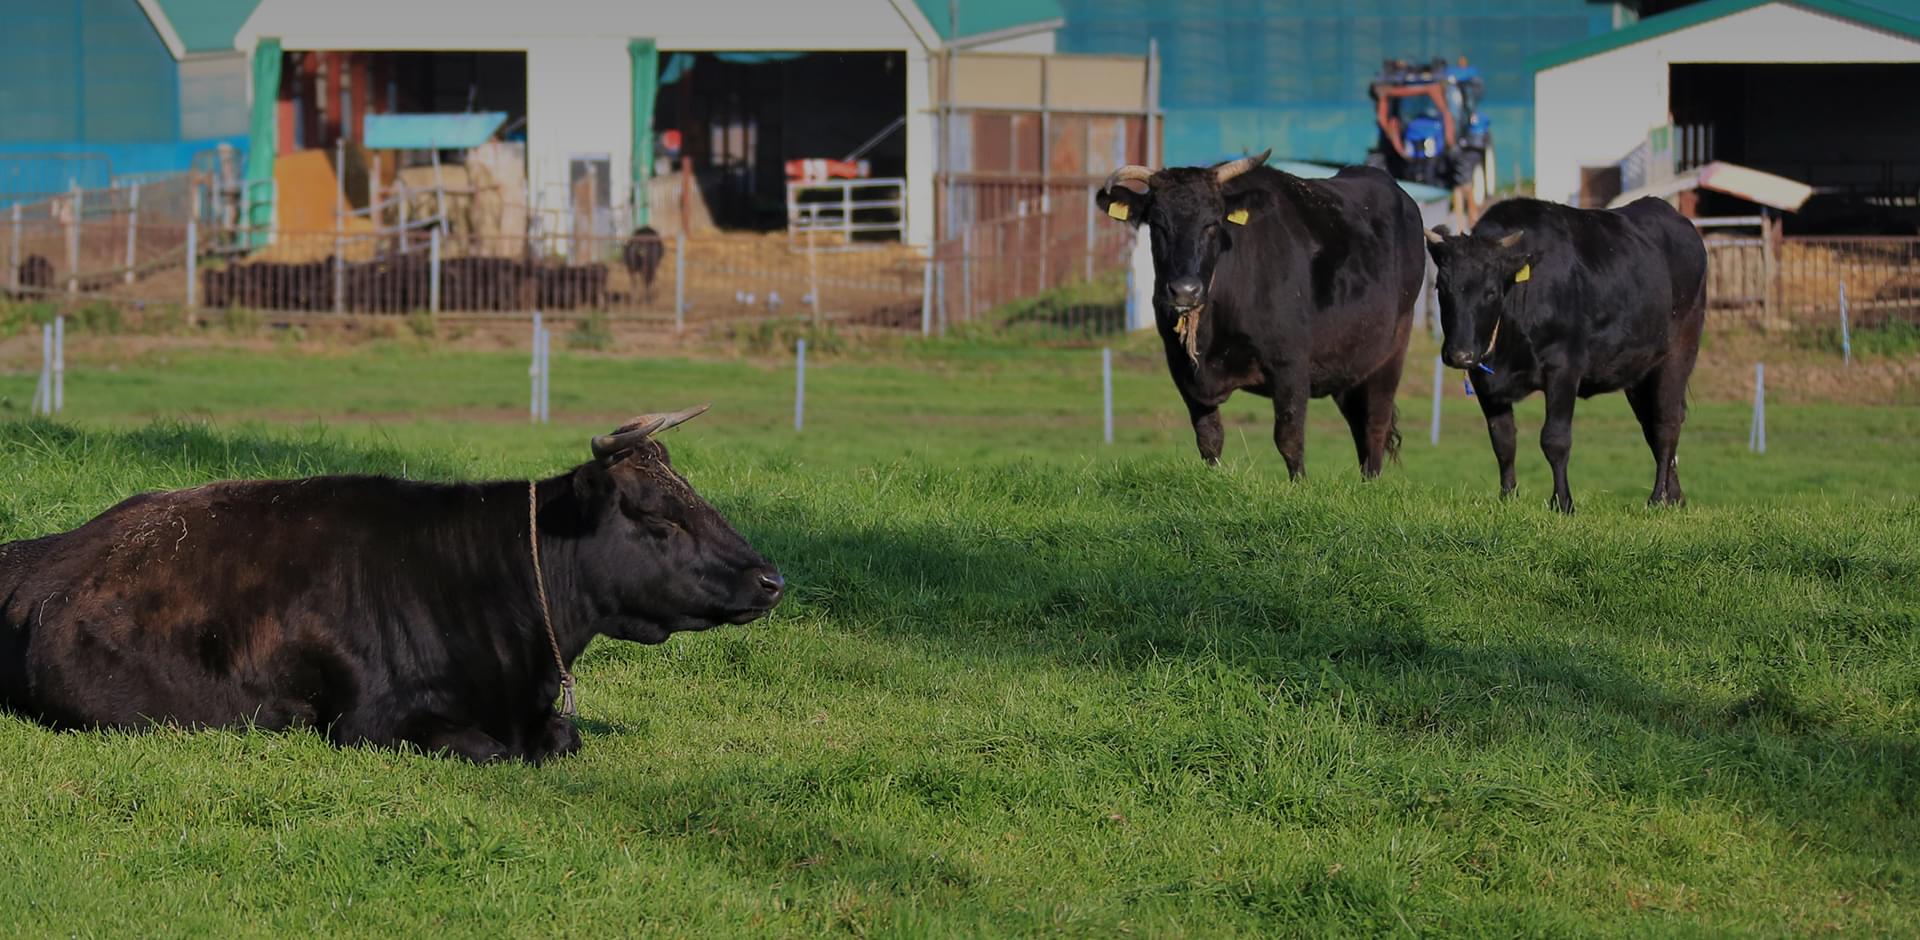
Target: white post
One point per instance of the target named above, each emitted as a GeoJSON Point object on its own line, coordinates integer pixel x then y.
{"type": "Point", "coordinates": [1846, 339]}
{"type": "Point", "coordinates": [43, 391]}
{"type": "Point", "coordinates": [73, 239]}
{"type": "Point", "coordinates": [680, 279]}
{"type": "Point", "coordinates": [1140, 281]}
{"type": "Point", "coordinates": [813, 276]}
{"type": "Point", "coordinates": [133, 225]}
{"type": "Point", "coordinates": [533, 374]}
{"type": "Point", "coordinates": [13, 253]}
{"type": "Point", "coordinates": [799, 385]}
{"type": "Point", "coordinates": [966, 273]}
{"type": "Point", "coordinates": [1093, 208]}
{"type": "Point", "coordinates": [1757, 435]}
{"type": "Point", "coordinates": [1439, 392]}
{"type": "Point", "coordinates": [433, 271]}
{"type": "Point", "coordinates": [59, 365]}
{"type": "Point", "coordinates": [546, 375]}
{"type": "Point", "coordinates": [193, 261]}
{"type": "Point", "coordinates": [926, 299]}
{"type": "Point", "coordinates": [1106, 392]}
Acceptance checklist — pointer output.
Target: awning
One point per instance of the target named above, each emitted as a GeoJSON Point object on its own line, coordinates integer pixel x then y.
{"type": "Point", "coordinates": [463, 131]}
{"type": "Point", "coordinates": [1755, 186]}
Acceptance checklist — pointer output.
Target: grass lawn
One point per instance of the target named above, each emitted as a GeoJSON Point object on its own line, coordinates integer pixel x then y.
{"type": "Point", "coordinates": [1029, 684]}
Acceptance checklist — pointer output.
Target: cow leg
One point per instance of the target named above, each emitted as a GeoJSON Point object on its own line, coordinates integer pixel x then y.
{"type": "Point", "coordinates": [1290, 427]}
{"type": "Point", "coordinates": [468, 741]}
{"type": "Point", "coordinates": [1556, 438]}
{"type": "Point", "coordinates": [1499, 415]}
{"type": "Point", "coordinates": [1206, 430]}
{"type": "Point", "coordinates": [1660, 402]}
{"type": "Point", "coordinates": [554, 736]}
{"type": "Point", "coordinates": [1368, 408]}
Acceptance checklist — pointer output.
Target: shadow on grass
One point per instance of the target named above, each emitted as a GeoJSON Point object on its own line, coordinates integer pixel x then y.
{"type": "Point", "coordinates": [1313, 629]}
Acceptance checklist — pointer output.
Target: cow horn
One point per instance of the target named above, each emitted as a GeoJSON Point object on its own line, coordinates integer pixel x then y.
{"type": "Point", "coordinates": [1435, 238]}
{"type": "Point", "coordinates": [1132, 172]}
{"type": "Point", "coordinates": [1511, 240]}
{"type": "Point", "coordinates": [1233, 168]}
{"type": "Point", "coordinates": [629, 435]}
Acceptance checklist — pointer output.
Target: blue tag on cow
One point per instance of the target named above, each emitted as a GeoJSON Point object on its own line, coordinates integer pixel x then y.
{"type": "Point", "coordinates": [1468, 385]}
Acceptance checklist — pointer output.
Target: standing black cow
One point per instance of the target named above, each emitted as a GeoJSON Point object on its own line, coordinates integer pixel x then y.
{"type": "Point", "coordinates": [641, 257]}
{"type": "Point", "coordinates": [1286, 287]}
{"type": "Point", "coordinates": [1576, 302]}
{"type": "Point", "coordinates": [379, 610]}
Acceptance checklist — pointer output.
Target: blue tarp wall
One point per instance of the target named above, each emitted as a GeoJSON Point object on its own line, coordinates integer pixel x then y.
{"type": "Point", "coordinates": [1238, 76]}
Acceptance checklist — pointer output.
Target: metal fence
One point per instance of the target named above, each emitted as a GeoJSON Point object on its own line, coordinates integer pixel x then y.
{"type": "Point", "coordinates": [1801, 281]}
{"type": "Point", "coordinates": [172, 242]}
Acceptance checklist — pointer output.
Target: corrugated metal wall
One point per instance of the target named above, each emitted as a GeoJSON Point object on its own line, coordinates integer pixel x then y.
{"type": "Point", "coordinates": [85, 71]}
{"type": "Point", "coordinates": [1242, 75]}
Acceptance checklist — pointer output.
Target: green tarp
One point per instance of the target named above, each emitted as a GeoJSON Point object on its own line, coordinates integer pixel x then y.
{"type": "Point", "coordinates": [646, 73]}
{"type": "Point", "coordinates": [266, 97]}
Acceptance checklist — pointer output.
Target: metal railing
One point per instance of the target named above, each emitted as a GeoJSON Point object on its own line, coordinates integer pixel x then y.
{"type": "Point", "coordinates": [853, 209]}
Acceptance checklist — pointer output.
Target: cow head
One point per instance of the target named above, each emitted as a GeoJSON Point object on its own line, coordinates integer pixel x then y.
{"type": "Point", "coordinates": [654, 557]}
{"type": "Point", "coordinates": [1192, 217]}
{"type": "Point", "coordinates": [1480, 279]}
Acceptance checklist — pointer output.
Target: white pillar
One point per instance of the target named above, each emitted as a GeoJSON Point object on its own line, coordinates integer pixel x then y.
{"type": "Point", "coordinates": [921, 152]}
{"type": "Point", "coordinates": [1140, 285]}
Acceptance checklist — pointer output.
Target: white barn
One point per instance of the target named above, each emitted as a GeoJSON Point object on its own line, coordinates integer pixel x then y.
{"type": "Point", "coordinates": [582, 59]}
{"type": "Point", "coordinates": [1813, 90]}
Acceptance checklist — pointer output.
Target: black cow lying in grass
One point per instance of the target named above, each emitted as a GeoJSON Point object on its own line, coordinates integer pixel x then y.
{"type": "Point", "coordinates": [1576, 302]}
{"type": "Point", "coordinates": [378, 610]}
{"type": "Point", "coordinates": [1286, 287]}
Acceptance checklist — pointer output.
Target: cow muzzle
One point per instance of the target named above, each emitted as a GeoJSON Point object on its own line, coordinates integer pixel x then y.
{"type": "Point", "coordinates": [1186, 293]}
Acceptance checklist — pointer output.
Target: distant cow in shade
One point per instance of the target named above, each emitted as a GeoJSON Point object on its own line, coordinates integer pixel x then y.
{"type": "Point", "coordinates": [380, 611]}
{"type": "Point", "coordinates": [641, 257]}
{"type": "Point", "coordinates": [1576, 303]}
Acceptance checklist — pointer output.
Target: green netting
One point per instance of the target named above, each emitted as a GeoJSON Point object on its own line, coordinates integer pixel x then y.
{"type": "Point", "coordinates": [266, 95]}
{"type": "Point", "coordinates": [1238, 76]}
{"type": "Point", "coordinates": [646, 72]}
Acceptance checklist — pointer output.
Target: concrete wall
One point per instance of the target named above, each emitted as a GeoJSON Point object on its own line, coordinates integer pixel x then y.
{"type": "Point", "coordinates": [1593, 111]}
{"type": "Point", "coordinates": [213, 96]}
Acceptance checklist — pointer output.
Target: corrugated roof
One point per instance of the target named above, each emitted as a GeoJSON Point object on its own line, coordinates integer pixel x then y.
{"type": "Point", "coordinates": [990, 16]}
{"type": "Point", "coordinates": [431, 131]}
{"type": "Point", "coordinates": [1900, 17]}
{"type": "Point", "coordinates": [207, 25]}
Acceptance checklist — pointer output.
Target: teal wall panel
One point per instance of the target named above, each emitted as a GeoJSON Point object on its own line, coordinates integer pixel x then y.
{"type": "Point", "coordinates": [1243, 75]}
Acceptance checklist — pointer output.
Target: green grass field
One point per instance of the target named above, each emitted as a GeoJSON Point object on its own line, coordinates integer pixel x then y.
{"type": "Point", "coordinates": [1028, 684]}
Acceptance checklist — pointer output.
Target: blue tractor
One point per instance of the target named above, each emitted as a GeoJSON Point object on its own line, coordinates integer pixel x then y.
{"type": "Point", "coordinates": [1432, 130]}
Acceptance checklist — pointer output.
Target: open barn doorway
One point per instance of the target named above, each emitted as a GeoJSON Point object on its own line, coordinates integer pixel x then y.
{"type": "Point", "coordinates": [1840, 128]}
{"type": "Point", "coordinates": [739, 119]}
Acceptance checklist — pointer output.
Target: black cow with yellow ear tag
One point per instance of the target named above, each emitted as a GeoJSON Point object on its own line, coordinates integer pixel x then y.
{"type": "Point", "coordinates": [1575, 302]}
{"type": "Point", "coordinates": [1285, 287]}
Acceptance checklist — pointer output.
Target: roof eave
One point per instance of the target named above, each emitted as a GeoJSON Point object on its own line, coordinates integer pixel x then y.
{"type": "Point", "coordinates": [1687, 17]}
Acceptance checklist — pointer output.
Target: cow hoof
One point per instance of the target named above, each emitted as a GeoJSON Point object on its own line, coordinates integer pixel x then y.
{"type": "Point", "coordinates": [561, 739]}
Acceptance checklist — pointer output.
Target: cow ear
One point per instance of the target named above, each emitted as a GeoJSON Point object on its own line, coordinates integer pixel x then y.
{"type": "Point", "coordinates": [592, 483]}
{"type": "Point", "coordinates": [1244, 206]}
{"type": "Point", "coordinates": [1122, 204]}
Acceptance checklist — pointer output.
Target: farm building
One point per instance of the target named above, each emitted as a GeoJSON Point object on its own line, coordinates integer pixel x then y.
{"type": "Point", "coordinates": [98, 90]}
{"type": "Point", "coordinates": [1809, 90]}
{"type": "Point", "coordinates": [606, 97]}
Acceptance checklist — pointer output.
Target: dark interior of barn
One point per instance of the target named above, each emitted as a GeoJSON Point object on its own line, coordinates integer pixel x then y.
{"type": "Point", "coordinates": [741, 116]}
{"type": "Point", "coordinates": [1843, 129]}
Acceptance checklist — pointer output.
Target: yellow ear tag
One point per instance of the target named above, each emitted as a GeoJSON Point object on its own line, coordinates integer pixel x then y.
{"type": "Point", "coordinates": [1525, 275]}
{"type": "Point", "coordinates": [1237, 216]}
{"type": "Point", "coordinates": [1118, 210]}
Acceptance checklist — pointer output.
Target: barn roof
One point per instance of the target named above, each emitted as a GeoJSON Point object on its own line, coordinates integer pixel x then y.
{"type": "Point", "coordinates": [193, 27]}
{"type": "Point", "coordinates": [1900, 17]}
{"type": "Point", "coordinates": [985, 17]}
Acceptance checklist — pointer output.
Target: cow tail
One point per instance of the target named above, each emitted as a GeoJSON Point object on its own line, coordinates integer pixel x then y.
{"type": "Point", "coordinates": [1393, 436]}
